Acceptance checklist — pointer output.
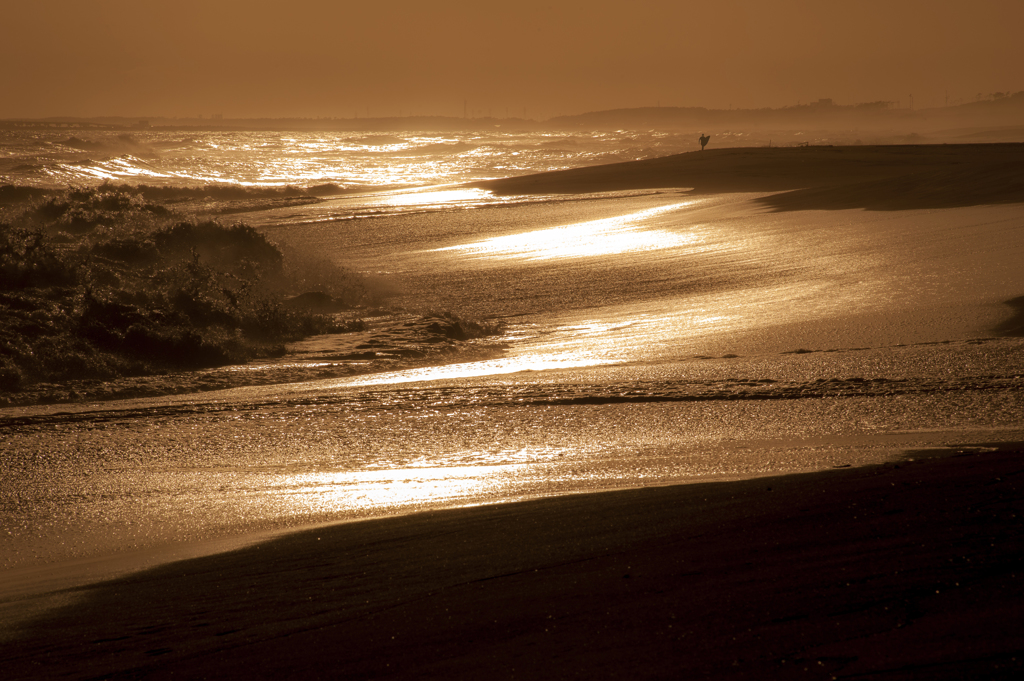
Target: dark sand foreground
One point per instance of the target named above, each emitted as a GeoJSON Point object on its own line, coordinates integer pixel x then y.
{"type": "Point", "coordinates": [811, 178]}
{"type": "Point", "coordinates": [904, 571]}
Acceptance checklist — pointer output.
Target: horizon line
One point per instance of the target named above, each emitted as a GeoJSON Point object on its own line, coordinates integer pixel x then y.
{"type": "Point", "coordinates": [818, 105]}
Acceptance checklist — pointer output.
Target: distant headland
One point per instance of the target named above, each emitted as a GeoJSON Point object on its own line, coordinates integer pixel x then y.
{"type": "Point", "coordinates": [996, 110]}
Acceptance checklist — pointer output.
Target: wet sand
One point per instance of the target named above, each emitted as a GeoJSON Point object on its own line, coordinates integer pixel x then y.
{"type": "Point", "coordinates": [907, 570]}
{"type": "Point", "coordinates": [811, 178]}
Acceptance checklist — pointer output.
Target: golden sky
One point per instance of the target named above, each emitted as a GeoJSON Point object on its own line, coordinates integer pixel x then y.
{"type": "Point", "coordinates": [341, 58]}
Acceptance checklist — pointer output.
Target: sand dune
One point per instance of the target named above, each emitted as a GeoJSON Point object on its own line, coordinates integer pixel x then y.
{"type": "Point", "coordinates": [873, 177]}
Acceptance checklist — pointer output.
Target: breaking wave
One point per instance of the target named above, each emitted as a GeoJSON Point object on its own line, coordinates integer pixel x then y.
{"type": "Point", "coordinates": [58, 159]}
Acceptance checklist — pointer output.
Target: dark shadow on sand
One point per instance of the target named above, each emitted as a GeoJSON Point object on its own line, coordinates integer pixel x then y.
{"type": "Point", "coordinates": [897, 571]}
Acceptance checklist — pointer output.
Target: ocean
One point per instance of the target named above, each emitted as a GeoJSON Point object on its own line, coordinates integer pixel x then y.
{"type": "Point", "coordinates": [349, 161]}
{"type": "Point", "coordinates": [652, 337]}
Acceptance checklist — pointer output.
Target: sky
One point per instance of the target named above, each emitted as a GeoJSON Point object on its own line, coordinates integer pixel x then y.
{"type": "Point", "coordinates": [531, 58]}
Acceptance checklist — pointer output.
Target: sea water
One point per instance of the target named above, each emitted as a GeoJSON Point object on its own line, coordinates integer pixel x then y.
{"type": "Point", "coordinates": [350, 161]}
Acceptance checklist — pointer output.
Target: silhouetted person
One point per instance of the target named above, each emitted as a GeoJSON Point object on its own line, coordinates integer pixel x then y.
{"type": "Point", "coordinates": [704, 141]}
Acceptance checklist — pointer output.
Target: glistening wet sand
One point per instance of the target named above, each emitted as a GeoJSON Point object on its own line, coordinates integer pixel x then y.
{"type": "Point", "coordinates": [882, 571]}
{"type": "Point", "coordinates": [909, 570]}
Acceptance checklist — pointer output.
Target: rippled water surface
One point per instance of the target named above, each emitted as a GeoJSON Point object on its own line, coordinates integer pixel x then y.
{"type": "Point", "coordinates": [353, 160]}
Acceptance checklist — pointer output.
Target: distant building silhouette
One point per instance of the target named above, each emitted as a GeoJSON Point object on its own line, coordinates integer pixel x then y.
{"type": "Point", "coordinates": [704, 141]}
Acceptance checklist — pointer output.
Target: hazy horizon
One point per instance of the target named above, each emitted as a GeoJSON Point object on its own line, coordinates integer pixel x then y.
{"type": "Point", "coordinates": [537, 61]}
{"type": "Point", "coordinates": [821, 105]}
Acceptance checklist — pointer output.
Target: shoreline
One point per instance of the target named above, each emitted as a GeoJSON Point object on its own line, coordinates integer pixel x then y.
{"type": "Point", "coordinates": [900, 569]}
{"type": "Point", "coordinates": [904, 177]}
{"type": "Point", "coordinates": [794, 178]}
{"type": "Point", "coordinates": [398, 342]}
{"type": "Point", "coordinates": [397, 345]}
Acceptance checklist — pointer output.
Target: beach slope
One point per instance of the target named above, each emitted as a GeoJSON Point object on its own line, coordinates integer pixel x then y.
{"type": "Point", "coordinates": [822, 178]}
{"type": "Point", "coordinates": [904, 571]}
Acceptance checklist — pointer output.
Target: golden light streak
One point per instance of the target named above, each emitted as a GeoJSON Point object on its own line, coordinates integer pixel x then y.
{"type": "Point", "coordinates": [609, 236]}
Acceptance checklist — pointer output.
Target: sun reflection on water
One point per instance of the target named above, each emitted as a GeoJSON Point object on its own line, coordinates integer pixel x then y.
{"type": "Point", "coordinates": [437, 196]}
{"type": "Point", "coordinates": [609, 236]}
{"type": "Point", "coordinates": [391, 488]}
{"type": "Point", "coordinates": [494, 367]}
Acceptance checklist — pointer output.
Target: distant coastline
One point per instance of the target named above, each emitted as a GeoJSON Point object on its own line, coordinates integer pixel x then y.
{"type": "Point", "coordinates": [1001, 111]}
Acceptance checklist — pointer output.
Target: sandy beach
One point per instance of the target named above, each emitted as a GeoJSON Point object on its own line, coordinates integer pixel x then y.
{"type": "Point", "coordinates": [906, 571]}
{"type": "Point", "coordinates": [407, 340]}
{"type": "Point", "coordinates": [812, 178]}
{"type": "Point", "coordinates": [913, 569]}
